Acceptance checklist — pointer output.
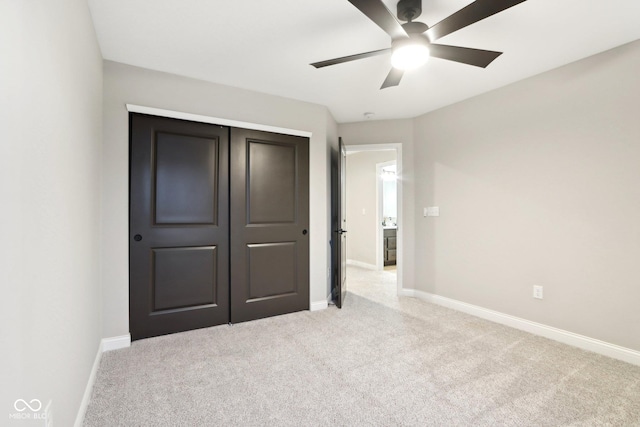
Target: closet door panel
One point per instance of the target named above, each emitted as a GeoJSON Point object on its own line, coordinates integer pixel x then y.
{"type": "Point", "coordinates": [269, 224]}
{"type": "Point", "coordinates": [179, 226]}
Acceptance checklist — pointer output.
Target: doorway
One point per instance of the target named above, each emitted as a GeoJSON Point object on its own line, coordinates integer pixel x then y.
{"type": "Point", "coordinates": [387, 215]}
{"type": "Point", "coordinates": [375, 236]}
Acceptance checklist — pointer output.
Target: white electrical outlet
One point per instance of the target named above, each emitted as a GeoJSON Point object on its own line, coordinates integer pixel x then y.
{"type": "Point", "coordinates": [537, 292]}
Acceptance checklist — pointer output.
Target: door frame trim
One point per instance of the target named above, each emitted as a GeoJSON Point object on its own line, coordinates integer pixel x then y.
{"type": "Point", "coordinates": [399, 171]}
{"type": "Point", "coordinates": [133, 108]}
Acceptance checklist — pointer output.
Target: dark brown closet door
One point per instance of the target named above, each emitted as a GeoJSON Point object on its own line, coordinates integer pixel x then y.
{"type": "Point", "coordinates": [269, 224]}
{"type": "Point", "coordinates": [179, 226]}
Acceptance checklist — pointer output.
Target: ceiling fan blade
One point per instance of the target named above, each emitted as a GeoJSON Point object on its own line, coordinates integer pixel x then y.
{"type": "Point", "coordinates": [378, 13]}
{"type": "Point", "coordinates": [476, 11]}
{"type": "Point", "coordinates": [393, 78]}
{"type": "Point", "coordinates": [466, 55]}
{"type": "Point", "coordinates": [350, 58]}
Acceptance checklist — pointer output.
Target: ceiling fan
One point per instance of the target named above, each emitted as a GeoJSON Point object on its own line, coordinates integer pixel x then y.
{"type": "Point", "coordinates": [412, 42]}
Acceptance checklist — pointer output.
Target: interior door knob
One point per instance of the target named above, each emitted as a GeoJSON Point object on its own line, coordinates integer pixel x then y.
{"type": "Point", "coordinates": [137, 237]}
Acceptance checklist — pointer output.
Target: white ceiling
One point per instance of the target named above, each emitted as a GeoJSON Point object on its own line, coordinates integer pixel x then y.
{"type": "Point", "coordinates": [267, 46]}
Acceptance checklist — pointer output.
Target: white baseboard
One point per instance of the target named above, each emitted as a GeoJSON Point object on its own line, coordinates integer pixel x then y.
{"type": "Point", "coordinates": [88, 389]}
{"type": "Point", "coordinates": [116, 343]}
{"type": "Point", "coordinates": [361, 264]}
{"type": "Point", "coordinates": [586, 343]}
{"type": "Point", "coordinates": [318, 305]}
{"type": "Point", "coordinates": [106, 344]}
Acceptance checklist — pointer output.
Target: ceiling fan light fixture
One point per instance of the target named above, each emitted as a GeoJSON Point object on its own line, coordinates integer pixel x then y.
{"type": "Point", "coordinates": [409, 56]}
{"type": "Point", "coordinates": [411, 42]}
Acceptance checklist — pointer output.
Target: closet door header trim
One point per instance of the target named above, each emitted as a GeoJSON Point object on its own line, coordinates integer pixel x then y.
{"type": "Point", "coordinates": [132, 108]}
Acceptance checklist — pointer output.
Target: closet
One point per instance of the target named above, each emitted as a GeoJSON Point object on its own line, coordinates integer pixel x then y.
{"type": "Point", "coordinates": [218, 225]}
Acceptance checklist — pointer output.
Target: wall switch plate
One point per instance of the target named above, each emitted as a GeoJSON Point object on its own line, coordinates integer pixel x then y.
{"type": "Point", "coordinates": [425, 212]}
{"type": "Point", "coordinates": [433, 211]}
{"type": "Point", "coordinates": [364, 211]}
{"type": "Point", "coordinates": [537, 292]}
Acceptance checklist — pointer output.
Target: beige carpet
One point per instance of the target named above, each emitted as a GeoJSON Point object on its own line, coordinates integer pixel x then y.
{"type": "Point", "coordinates": [379, 361]}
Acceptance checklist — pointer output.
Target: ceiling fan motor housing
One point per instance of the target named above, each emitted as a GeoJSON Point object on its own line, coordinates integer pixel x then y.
{"type": "Point", "coordinates": [414, 39]}
{"type": "Point", "coordinates": [408, 10]}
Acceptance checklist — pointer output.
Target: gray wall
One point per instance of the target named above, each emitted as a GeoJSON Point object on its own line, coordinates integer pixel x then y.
{"type": "Point", "coordinates": [126, 84]}
{"type": "Point", "coordinates": [538, 183]}
{"type": "Point", "coordinates": [50, 136]}
{"type": "Point", "coordinates": [362, 194]}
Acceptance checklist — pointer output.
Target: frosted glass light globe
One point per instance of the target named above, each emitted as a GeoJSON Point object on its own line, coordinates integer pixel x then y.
{"type": "Point", "coordinates": [409, 56]}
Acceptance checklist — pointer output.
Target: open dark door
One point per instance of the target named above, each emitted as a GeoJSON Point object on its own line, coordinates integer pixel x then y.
{"type": "Point", "coordinates": [340, 230]}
